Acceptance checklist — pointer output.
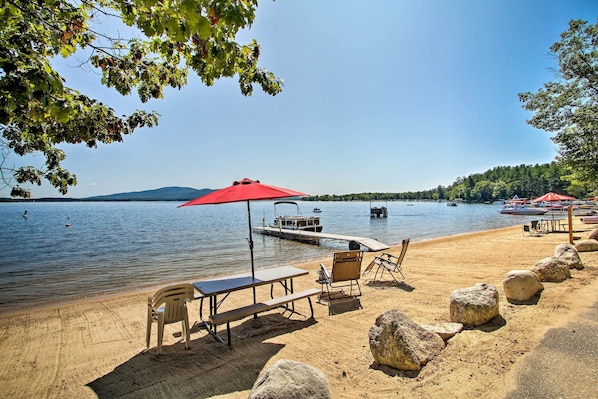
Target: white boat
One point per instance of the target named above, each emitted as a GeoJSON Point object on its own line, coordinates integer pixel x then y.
{"type": "Point", "coordinates": [584, 212]}
{"type": "Point", "coordinates": [451, 203]}
{"type": "Point", "coordinates": [521, 209]}
{"type": "Point", "coordinates": [295, 222]}
{"type": "Point", "coordinates": [317, 210]}
{"type": "Point", "coordinates": [590, 219]}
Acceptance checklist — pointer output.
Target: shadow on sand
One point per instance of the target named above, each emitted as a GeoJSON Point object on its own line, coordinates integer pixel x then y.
{"type": "Point", "coordinates": [532, 301]}
{"type": "Point", "coordinates": [402, 285]}
{"type": "Point", "coordinates": [208, 368]}
{"type": "Point", "coordinates": [392, 372]}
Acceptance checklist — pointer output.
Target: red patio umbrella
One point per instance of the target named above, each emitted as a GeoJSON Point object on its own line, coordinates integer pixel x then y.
{"type": "Point", "coordinates": [552, 197]}
{"type": "Point", "coordinates": [245, 190]}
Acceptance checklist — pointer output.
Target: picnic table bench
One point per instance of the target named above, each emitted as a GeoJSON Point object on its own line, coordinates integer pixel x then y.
{"type": "Point", "coordinates": [246, 311]}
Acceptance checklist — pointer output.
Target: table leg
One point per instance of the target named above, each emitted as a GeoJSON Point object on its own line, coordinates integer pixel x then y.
{"type": "Point", "coordinates": [213, 312]}
{"type": "Point", "coordinates": [211, 329]}
{"type": "Point", "coordinates": [201, 309]}
{"type": "Point", "coordinates": [288, 289]}
{"type": "Point", "coordinates": [292, 303]}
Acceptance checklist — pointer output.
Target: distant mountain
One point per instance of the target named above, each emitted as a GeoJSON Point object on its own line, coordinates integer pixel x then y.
{"type": "Point", "coordinates": [160, 194]}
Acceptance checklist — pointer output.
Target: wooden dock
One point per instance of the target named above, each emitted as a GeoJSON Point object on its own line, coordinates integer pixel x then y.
{"type": "Point", "coordinates": [310, 236]}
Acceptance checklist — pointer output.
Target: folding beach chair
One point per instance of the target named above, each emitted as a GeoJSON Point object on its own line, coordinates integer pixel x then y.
{"type": "Point", "coordinates": [389, 263]}
{"type": "Point", "coordinates": [346, 270]}
{"type": "Point", "coordinates": [532, 229]}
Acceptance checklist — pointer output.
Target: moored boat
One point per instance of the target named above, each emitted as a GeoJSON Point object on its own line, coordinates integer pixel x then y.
{"type": "Point", "coordinates": [295, 222]}
{"type": "Point", "coordinates": [584, 212]}
{"type": "Point", "coordinates": [378, 211]}
{"type": "Point", "coordinates": [590, 219]}
{"type": "Point", "coordinates": [522, 209]}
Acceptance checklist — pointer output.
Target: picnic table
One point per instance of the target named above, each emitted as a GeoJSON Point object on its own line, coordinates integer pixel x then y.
{"type": "Point", "coordinates": [554, 225]}
{"type": "Point", "coordinates": [223, 287]}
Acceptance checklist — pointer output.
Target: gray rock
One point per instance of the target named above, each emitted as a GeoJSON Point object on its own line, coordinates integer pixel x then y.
{"type": "Point", "coordinates": [587, 245]}
{"type": "Point", "coordinates": [475, 305]}
{"type": "Point", "coordinates": [521, 285]}
{"type": "Point", "coordinates": [552, 269]}
{"type": "Point", "coordinates": [569, 254]}
{"type": "Point", "coordinates": [291, 379]}
{"type": "Point", "coordinates": [400, 343]}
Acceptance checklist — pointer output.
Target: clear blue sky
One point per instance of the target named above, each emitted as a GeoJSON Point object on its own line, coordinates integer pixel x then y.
{"type": "Point", "coordinates": [379, 96]}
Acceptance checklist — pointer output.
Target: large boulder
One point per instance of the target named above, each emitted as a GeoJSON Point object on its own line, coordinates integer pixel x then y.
{"type": "Point", "coordinates": [587, 245]}
{"type": "Point", "coordinates": [475, 305]}
{"type": "Point", "coordinates": [569, 254]}
{"type": "Point", "coordinates": [291, 379]}
{"type": "Point", "coordinates": [400, 343]}
{"type": "Point", "coordinates": [593, 235]}
{"type": "Point", "coordinates": [521, 285]}
{"type": "Point", "coordinates": [552, 269]}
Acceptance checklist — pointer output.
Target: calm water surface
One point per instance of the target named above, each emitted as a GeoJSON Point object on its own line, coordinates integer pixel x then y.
{"type": "Point", "coordinates": [124, 245]}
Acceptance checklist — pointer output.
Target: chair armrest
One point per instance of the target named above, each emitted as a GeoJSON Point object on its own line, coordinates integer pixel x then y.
{"type": "Point", "coordinates": [324, 274]}
{"type": "Point", "coordinates": [390, 258]}
{"type": "Point", "coordinates": [388, 263]}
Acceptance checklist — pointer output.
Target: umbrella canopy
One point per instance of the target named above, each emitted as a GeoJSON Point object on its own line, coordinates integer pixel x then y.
{"type": "Point", "coordinates": [245, 190]}
{"type": "Point", "coordinates": [552, 197]}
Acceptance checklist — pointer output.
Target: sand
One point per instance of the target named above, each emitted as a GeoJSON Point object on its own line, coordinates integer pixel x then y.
{"type": "Point", "coordinates": [96, 348]}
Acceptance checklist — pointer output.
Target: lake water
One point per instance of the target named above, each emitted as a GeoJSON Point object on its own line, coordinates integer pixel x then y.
{"type": "Point", "coordinates": [115, 246]}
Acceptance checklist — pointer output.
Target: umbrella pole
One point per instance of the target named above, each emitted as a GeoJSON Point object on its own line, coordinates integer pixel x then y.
{"type": "Point", "coordinates": [251, 250]}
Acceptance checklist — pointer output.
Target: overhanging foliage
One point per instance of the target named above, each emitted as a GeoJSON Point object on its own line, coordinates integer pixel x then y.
{"type": "Point", "coordinates": [38, 112]}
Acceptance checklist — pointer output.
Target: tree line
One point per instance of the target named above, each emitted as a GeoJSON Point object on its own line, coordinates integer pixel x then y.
{"type": "Point", "coordinates": [501, 182]}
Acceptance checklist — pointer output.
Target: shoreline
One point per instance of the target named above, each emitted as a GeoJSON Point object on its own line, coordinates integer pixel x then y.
{"type": "Point", "coordinates": [149, 288]}
{"type": "Point", "coordinates": [95, 347]}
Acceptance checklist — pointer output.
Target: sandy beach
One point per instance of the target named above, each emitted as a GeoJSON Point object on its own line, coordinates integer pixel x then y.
{"type": "Point", "coordinates": [96, 348]}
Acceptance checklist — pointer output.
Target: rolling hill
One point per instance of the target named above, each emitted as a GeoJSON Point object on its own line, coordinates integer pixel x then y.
{"type": "Point", "coordinates": [159, 194]}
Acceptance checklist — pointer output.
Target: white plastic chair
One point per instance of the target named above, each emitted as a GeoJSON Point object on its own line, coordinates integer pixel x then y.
{"type": "Point", "coordinates": [169, 305]}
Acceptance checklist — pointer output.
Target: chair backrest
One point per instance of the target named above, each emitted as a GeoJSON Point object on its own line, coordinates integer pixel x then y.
{"type": "Point", "coordinates": [534, 224]}
{"type": "Point", "coordinates": [346, 266]}
{"type": "Point", "coordinates": [173, 300]}
{"type": "Point", "coordinates": [403, 250]}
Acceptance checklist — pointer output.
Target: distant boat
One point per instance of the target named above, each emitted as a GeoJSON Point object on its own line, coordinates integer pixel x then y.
{"type": "Point", "coordinates": [317, 210]}
{"type": "Point", "coordinates": [584, 212]}
{"type": "Point", "coordinates": [520, 209]}
{"type": "Point", "coordinates": [26, 215]}
{"type": "Point", "coordinates": [451, 203]}
{"type": "Point", "coordinates": [378, 211]}
{"type": "Point", "coordinates": [590, 219]}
